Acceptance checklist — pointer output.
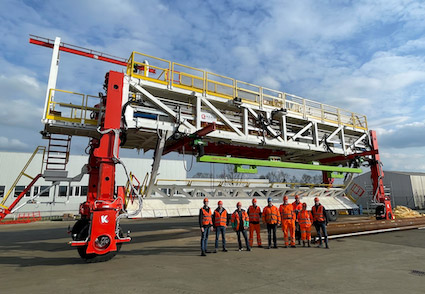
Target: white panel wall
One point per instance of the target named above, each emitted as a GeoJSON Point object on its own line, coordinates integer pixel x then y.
{"type": "Point", "coordinates": [418, 187]}
{"type": "Point", "coordinates": [11, 164]}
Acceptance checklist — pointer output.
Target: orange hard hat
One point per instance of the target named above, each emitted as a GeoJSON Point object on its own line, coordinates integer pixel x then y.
{"type": "Point", "coordinates": [297, 197]}
{"type": "Point", "coordinates": [254, 200]}
{"type": "Point", "coordinates": [220, 202]}
{"type": "Point", "coordinates": [238, 204]}
{"type": "Point", "coordinates": [285, 198]}
{"type": "Point", "coordinates": [316, 199]}
{"type": "Point", "coordinates": [206, 199]}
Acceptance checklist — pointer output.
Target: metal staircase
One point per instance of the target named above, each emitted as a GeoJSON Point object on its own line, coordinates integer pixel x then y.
{"type": "Point", "coordinates": [58, 152]}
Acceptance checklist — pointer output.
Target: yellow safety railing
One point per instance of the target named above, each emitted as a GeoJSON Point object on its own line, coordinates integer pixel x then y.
{"type": "Point", "coordinates": [140, 187]}
{"type": "Point", "coordinates": [39, 149]}
{"type": "Point", "coordinates": [174, 74]}
{"type": "Point", "coordinates": [74, 107]}
{"type": "Point", "coordinates": [147, 70]}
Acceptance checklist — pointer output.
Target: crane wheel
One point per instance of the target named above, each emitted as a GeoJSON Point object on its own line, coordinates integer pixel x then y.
{"type": "Point", "coordinates": [80, 232]}
{"type": "Point", "coordinates": [332, 215]}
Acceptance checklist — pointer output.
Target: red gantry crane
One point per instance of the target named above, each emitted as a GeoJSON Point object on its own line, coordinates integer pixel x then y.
{"type": "Point", "coordinates": [166, 106]}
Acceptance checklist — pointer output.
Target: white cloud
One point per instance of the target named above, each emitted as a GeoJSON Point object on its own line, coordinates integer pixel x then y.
{"type": "Point", "coordinates": [411, 159]}
{"type": "Point", "coordinates": [364, 56]}
{"type": "Point", "coordinates": [404, 136]}
{"type": "Point", "coordinates": [12, 144]}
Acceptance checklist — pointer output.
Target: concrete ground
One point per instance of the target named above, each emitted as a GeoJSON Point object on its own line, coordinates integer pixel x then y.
{"type": "Point", "coordinates": [163, 257]}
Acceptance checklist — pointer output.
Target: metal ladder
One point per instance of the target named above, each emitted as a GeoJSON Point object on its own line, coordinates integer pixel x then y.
{"type": "Point", "coordinates": [58, 152]}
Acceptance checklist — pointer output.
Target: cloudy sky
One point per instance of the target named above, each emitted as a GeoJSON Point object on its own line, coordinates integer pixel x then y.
{"type": "Point", "coordinates": [365, 56]}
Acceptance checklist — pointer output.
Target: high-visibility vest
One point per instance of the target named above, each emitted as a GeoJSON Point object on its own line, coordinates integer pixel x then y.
{"type": "Point", "coordinates": [286, 212]}
{"type": "Point", "coordinates": [297, 206]}
{"type": "Point", "coordinates": [220, 219]}
{"type": "Point", "coordinates": [206, 217]}
{"type": "Point", "coordinates": [254, 213]}
{"type": "Point", "coordinates": [318, 214]}
{"type": "Point", "coordinates": [236, 225]}
{"type": "Point", "coordinates": [271, 215]}
{"type": "Point", "coordinates": [304, 218]}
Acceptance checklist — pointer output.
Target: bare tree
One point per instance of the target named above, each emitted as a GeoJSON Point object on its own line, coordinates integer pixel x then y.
{"type": "Point", "coordinates": [229, 174]}
{"type": "Point", "coordinates": [277, 176]}
{"type": "Point", "coordinates": [202, 175]}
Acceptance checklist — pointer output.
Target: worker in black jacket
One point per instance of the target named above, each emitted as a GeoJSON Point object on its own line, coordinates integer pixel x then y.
{"type": "Point", "coordinates": [320, 221]}
{"type": "Point", "coordinates": [205, 223]}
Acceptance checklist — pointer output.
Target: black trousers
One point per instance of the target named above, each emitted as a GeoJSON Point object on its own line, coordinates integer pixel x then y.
{"type": "Point", "coordinates": [297, 231]}
{"type": "Point", "coordinates": [321, 226]}
{"type": "Point", "coordinates": [272, 228]}
{"type": "Point", "coordinates": [243, 232]}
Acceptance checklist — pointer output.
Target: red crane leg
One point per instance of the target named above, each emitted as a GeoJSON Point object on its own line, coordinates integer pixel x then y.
{"type": "Point", "coordinates": [102, 206]}
{"type": "Point", "coordinates": [377, 175]}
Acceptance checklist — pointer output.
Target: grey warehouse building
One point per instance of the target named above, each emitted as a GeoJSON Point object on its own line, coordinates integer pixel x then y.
{"type": "Point", "coordinates": [405, 188]}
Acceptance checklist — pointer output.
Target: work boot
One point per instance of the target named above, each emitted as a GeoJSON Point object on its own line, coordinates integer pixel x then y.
{"type": "Point", "coordinates": [308, 243]}
{"type": "Point", "coordinates": [249, 249]}
{"type": "Point", "coordinates": [327, 247]}
{"type": "Point", "coordinates": [268, 247]}
{"type": "Point", "coordinates": [286, 246]}
{"type": "Point", "coordinates": [275, 246]}
{"type": "Point", "coordinates": [303, 243]}
{"type": "Point", "coordinates": [260, 246]}
{"type": "Point", "coordinates": [224, 250]}
{"type": "Point", "coordinates": [293, 246]}
{"type": "Point", "coordinates": [203, 253]}
{"type": "Point", "coordinates": [215, 250]}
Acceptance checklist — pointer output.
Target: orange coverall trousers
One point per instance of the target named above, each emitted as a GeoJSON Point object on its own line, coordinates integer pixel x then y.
{"type": "Point", "coordinates": [288, 226]}
{"type": "Point", "coordinates": [256, 228]}
{"type": "Point", "coordinates": [305, 232]}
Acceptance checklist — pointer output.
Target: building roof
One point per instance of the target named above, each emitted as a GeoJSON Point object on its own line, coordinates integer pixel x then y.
{"type": "Point", "coordinates": [405, 173]}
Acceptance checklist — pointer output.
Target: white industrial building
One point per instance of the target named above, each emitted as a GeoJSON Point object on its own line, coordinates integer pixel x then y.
{"type": "Point", "coordinates": [405, 188]}
{"type": "Point", "coordinates": [55, 201]}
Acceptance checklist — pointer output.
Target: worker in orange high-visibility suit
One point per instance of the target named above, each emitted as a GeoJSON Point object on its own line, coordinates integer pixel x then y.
{"type": "Point", "coordinates": [297, 205]}
{"type": "Point", "coordinates": [288, 221]}
{"type": "Point", "coordinates": [240, 222]}
{"type": "Point", "coordinates": [305, 219]}
{"type": "Point", "coordinates": [271, 217]}
{"type": "Point", "coordinates": [254, 214]}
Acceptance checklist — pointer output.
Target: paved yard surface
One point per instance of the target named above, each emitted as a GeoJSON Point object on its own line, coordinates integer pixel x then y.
{"type": "Point", "coordinates": [164, 258]}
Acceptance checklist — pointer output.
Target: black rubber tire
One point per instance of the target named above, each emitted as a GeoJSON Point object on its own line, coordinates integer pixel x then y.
{"type": "Point", "coordinates": [332, 215]}
{"type": "Point", "coordinates": [81, 231]}
{"type": "Point", "coordinates": [78, 227]}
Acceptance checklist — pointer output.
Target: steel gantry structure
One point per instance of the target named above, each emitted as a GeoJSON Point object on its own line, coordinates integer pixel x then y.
{"type": "Point", "coordinates": [156, 104]}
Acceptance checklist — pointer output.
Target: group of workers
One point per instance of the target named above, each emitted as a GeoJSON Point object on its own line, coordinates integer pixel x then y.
{"type": "Point", "coordinates": [294, 218]}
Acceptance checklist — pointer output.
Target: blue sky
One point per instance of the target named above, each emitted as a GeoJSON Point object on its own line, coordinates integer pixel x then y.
{"type": "Point", "coordinates": [364, 56]}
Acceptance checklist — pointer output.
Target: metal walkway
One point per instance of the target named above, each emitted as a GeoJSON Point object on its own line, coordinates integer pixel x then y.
{"type": "Point", "coordinates": [251, 121]}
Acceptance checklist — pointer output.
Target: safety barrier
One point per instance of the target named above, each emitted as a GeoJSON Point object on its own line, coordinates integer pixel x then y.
{"type": "Point", "coordinates": [154, 69]}
{"type": "Point", "coordinates": [24, 218]}
{"type": "Point", "coordinates": [72, 107]}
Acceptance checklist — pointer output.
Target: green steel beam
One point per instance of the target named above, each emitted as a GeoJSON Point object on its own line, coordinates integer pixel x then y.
{"type": "Point", "coordinates": [250, 170]}
{"type": "Point", "coordinates": [269, 163]}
